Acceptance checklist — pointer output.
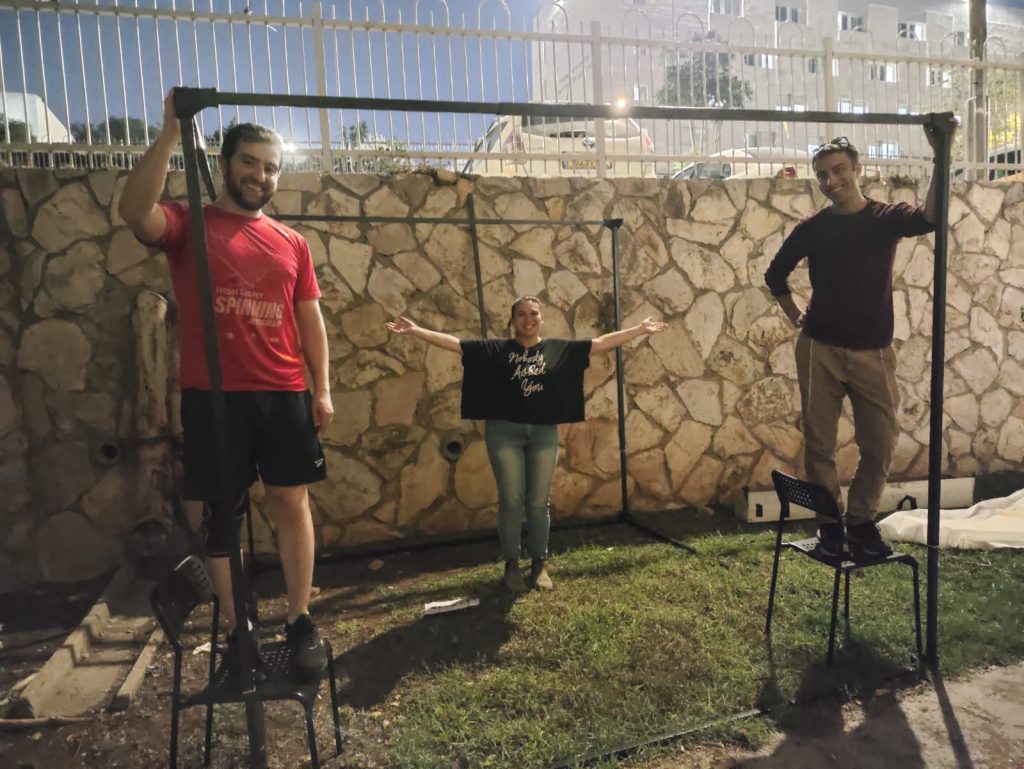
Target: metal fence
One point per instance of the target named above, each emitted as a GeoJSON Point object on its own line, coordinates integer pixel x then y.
{"type": "Point", "coordinates": [81, 83]}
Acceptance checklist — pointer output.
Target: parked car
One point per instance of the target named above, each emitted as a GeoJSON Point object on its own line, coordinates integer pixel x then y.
{"type": "Point", "coordinates": [749, 163]}
{"type": "Point", "coordinates": [532, 135]}
{"type": "Point", "coordinates": [1005, 155]}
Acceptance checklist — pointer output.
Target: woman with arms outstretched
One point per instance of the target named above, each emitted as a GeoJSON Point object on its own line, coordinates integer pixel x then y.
{"type": "Point", "coordinates": [523, 387]}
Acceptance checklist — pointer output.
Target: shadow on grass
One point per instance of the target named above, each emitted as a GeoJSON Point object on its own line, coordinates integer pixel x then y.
{"type": "Point", "coordinates": [817, 720]}
{"type": "Point", "coordinates": [371, 670]}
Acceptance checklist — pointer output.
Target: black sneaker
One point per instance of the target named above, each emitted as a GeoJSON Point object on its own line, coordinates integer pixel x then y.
{"type": "Point", "coordinates": [231, 661]}
{"type": "Point", "coordinates": [830, 540]}
{"type": "Point", "coordinates": [866, 541]}
{"type": "Point", "coordinates": [306, 653]}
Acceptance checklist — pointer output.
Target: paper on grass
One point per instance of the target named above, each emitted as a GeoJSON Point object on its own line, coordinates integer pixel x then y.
{"type": "Point", "coordinates": [453, 604]}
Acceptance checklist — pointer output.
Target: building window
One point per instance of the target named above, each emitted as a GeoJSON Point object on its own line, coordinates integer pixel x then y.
{"type": "Point", "coordinates": [939, 78]}
{"type": "Point", "coordinates": [910, 30]}
{"type": "Point", "coordinates": [761, 139]}
{"type": "Point", "coordinates": [726, 7]}
{"type": "Point", "coordinates": [639, 93]}
{"type": "Point", "coordinates": [785, 13]}
{"type": "Point", "coordinates": [886, 150]}
{"type": "Point", "coordinates": [885, 73]}
{"type": "Point", "coordinates": [761, 60]}
{"type": "Point", "coordinates": [812, 66]}
{"type": "Point", "coordinates": [846, 105]}
{"type": "Point", "coordinates": [848, 22]}
{"type": "Point", "coordinates": [960, 38]}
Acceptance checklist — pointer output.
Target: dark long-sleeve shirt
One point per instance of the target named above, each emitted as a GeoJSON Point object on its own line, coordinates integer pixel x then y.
{"type": "Point", "coordinates": [849, 258]}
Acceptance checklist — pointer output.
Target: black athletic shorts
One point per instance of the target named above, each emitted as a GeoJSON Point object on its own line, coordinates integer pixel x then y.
{"type": "Point", "coordinates": [270, 435]}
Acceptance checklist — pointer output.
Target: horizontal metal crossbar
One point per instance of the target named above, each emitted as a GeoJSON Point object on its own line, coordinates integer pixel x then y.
{"type": "Point", "coordinates": [192, 100]}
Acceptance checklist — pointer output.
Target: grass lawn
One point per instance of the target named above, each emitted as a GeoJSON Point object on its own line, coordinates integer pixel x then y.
{"type": "Point", "coordinates": [637, 639]}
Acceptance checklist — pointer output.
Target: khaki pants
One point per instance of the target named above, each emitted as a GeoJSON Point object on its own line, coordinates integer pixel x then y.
{"type": "Point", "coordinates": [826, 374]}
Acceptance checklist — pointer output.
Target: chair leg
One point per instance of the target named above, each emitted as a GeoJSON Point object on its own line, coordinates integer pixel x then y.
{"type": "Point", "coordinates": [173, 763]}
{"type": "Point", "coordinates": [214, 627]}
{"type": "Point", "coordinates": [846, 604]}
{"type": "Point", "coordinates": [835, 611]}
{"type": "Point", "coordinates": [175, 711]}
{"type": "Point", "coordinates": [334, 701]}
{"type": "Point", "coordinates": [208, 739]}
{"type": "Point", "coordinates": [314, 758]}
{"type": "Point", "coordinates": [775, 577]}
{"type": "Point", "coordinates": [917, 613]}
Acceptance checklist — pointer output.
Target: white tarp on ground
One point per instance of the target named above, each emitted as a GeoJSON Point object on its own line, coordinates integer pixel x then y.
{"type": "Point", "coordinates": [988, 524]}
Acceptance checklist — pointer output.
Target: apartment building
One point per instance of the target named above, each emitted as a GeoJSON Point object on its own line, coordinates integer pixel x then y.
{"type": "Point", "coordinates": [789, 55]}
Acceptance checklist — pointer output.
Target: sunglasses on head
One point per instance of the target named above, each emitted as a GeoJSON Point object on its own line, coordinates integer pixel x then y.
{"type": "Point", "coordinates": [839, 143]}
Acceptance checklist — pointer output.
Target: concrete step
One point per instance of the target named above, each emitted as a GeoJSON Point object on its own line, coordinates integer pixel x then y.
{"type": "Point", "coordinates": [102, 661]}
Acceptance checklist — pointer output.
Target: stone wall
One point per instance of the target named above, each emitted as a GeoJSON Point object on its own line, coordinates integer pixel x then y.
{"type": "Point", "coordinates": [88, 411]}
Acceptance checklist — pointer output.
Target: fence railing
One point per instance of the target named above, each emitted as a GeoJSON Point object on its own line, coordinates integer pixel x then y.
{"type": "Point", "coordinates": [82, 83]}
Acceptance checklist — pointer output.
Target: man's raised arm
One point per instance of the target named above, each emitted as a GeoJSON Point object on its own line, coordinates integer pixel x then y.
{"type": "Point", "coordinates": [145, 184]}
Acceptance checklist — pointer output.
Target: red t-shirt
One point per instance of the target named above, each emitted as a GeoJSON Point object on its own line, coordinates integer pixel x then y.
{"type": "Point", "coordinates": [259, 269]}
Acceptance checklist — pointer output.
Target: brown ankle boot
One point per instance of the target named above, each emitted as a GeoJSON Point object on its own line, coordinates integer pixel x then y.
{"type": "Point", "coordinates": [539, 575]}
{"type": "Point", "coordinates": [513, 578]}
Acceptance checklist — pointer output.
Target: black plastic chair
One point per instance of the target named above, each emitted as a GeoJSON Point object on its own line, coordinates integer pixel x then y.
{"type": "Point", "coordinates": [173, 600]}
{"type": "Point", "coordinates": [819, 500]}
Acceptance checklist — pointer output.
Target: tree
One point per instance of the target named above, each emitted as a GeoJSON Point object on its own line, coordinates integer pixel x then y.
{"type": "Point", "coordinates": [393, 154]}
{"type": "Point", "coordinates": [19, 131]}
{"type": "Point", "coordinates": [121, 131]}
{"type": "Point", "coordinates": [701, 79]}
{"type": "Point", "coordinates": [216, 138]}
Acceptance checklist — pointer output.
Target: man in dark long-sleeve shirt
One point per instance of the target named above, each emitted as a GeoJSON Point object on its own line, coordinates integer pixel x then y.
{"type": "Point", "coordinates": [845, 346]}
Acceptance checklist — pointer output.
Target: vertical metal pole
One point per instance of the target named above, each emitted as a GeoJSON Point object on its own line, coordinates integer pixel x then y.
{"type": "Point", "coordinates": [978, 103]}
{"type": "Point", "coordinates": [620, 389]}
{"type": "Point", "coordinates": [254, 714]}
{"type": "Point", "coordinates": [829, 56]}
{"type": "Point", "coordinates": [471, 213]}
{"type": "Point", "coordinates": [598, 79]}
{"type": "Point", "coordinates": [203, 162]}
{"type": "Point", "coordinates": [942, 125]}
{"type": "Point", "coordinates": [319, 61]}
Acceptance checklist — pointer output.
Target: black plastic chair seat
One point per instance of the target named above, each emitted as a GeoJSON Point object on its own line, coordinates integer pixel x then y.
{"type": "Point", "coordinates": [809, 548]}
{"type": "Point", "coordinates": [278, 683]}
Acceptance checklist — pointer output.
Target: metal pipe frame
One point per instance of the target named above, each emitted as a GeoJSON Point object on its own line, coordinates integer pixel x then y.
{"type": "Point", "coordinates": [190, 101]}
{"type": "Point", "coordinates": [254, 710]}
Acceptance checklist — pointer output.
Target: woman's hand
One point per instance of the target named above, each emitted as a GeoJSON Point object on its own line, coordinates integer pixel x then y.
{"type": "Point", "coordinates": [651, 326]}
{"type": "Point", "coordinates": [401, 326]}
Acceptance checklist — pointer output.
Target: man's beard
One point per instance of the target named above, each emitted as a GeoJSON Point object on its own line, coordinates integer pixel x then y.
{"type": "Point", "coordinates": [238, 195]}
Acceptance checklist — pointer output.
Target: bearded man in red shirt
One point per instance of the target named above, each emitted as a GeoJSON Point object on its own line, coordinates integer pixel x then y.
{"type": "Point", "coordinates": [268, 324]}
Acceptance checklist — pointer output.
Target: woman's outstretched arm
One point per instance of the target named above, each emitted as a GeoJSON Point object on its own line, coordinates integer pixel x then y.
{"type": "Point", "coordinates": [607, 342]}
{"type": "Point", "coordinates": [405, 326]}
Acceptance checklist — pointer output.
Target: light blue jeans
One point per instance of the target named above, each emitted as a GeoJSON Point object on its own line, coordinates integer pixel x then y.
{"type": "Point", "coordinates": [523, 458]}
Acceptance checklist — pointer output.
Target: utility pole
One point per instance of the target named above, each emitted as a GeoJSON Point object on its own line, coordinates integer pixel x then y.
{"type": "Point", "coordinates": [976, 139]}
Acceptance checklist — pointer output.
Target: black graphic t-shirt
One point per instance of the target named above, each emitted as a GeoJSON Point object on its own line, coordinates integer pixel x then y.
{"type": "Point", "coordinates": [540, 385]}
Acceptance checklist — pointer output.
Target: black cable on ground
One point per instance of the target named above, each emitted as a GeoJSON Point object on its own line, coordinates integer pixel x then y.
{"type": "Point", "coordinates": [588, 759]}
{"type": "Point", "coordinates": [594, 756]}
{"type": "Point", "coordinates": [659, 535]}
